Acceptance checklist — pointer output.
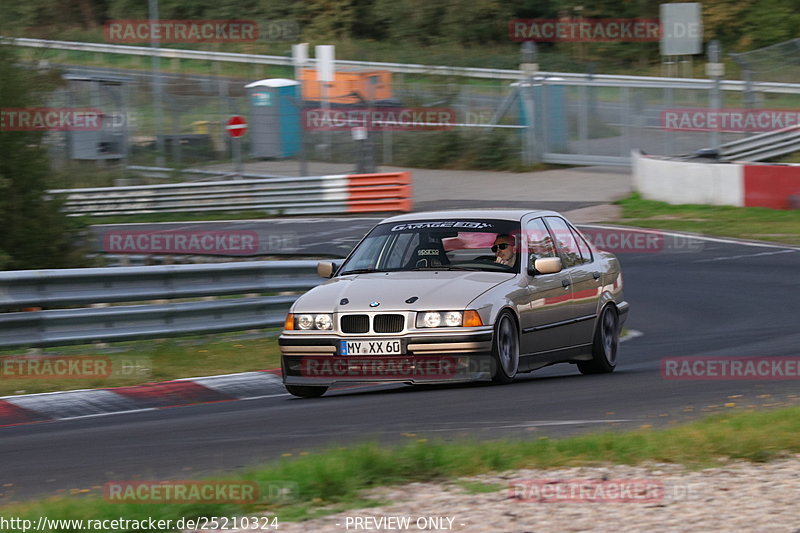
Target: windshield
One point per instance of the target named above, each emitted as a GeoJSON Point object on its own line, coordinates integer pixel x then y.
{"type": "Point", "coordinates": [447, 244]}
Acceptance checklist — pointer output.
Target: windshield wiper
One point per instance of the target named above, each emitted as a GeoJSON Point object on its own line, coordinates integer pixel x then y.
{"type": "Point", "coordinates": [446, 267]}
{"type": "Point", "coordinates": [362, 271]}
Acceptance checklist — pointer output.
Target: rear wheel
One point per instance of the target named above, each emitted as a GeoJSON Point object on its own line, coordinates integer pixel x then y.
{"type": "Point", "coordinates": [604, 347]}
{"type": "Point", "coordinates": [505, 348]}
{"type": "Point", "coordinates": [304, 391]}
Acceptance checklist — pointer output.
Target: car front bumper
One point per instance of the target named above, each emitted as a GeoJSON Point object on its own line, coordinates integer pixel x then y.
{"type": "Point", "coordinates": [312, 359]}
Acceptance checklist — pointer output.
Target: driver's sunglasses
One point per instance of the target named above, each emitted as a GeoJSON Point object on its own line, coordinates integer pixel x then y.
{"type": "Point", "coordinates": [502, 246]}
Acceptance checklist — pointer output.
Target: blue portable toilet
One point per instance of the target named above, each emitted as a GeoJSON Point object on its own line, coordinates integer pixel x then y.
{"type": "Point", "coordinates": [274, 127]}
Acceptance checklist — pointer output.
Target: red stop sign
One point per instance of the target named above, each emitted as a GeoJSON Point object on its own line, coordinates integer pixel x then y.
{"type": "Point", "coordinates": [236, 126]}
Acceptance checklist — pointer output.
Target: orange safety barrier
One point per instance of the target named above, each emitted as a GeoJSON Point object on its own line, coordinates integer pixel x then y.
{"type": "Point", "coordinates": [384, 192]}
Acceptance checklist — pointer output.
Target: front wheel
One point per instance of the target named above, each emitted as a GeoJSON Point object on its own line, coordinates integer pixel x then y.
{"type": "Point", "coordinates": [505, 349]}
{"type": "Point", "coordinates": [306, 391]}
{"type": "Point", "coordinates": [604, 347]}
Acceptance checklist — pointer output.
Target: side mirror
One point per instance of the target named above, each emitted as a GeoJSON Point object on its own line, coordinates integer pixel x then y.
{"type": "Point", "coordinates": [325, 269]}
{"type": "Point", "coordinates": [546, 265]}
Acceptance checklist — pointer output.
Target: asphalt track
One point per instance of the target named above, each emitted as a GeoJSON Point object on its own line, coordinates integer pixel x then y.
{"type": "Point", "coordinates": [302, 236]}
{"type": "Point", "coordinates": [711, 298]}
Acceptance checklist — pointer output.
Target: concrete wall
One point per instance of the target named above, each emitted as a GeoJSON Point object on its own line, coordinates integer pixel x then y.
{"type": "Point", "coordinates": [688, 182]}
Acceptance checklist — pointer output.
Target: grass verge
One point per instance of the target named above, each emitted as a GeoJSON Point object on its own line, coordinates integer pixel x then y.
{"type": "Point", "coordinates": [758, 223]}
{"type": "Point", "coordinates": [137, 362]}
{"type": "Point", "coordinates": [334, 480]}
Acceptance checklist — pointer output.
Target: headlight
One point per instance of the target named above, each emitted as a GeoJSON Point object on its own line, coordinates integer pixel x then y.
{"type": "Point", "coordinates": [323, 322]}
{"type": "Point", "coordinates": [450, 319]}
{"type": "Point", "coordinates": [435, 319]}
{"type": "Point", "coordinates": [431, 320]}
{"type": "Point", "coordinates": [304, 321]}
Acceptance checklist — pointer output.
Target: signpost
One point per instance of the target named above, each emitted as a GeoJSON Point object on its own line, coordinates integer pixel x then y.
{"type": "Point", "coordinates": [681, 34]}
{"type": "Point", "coordinates": [236, 128]}
{"type": "Point", "coordinates": [300, 59]}
{"type": "Point", "coordinates": [326, 73]}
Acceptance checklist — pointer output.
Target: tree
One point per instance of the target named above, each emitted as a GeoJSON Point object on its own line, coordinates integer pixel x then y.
{"type": "Point", "coordinates": [34, 233]}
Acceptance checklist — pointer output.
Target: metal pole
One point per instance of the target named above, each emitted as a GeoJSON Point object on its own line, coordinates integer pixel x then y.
{"type": "Point", "coordinates": [303, 140]}
{"type": "Point", "coordinates": [236, 143]}
{"type": "Point", "coordinates": [327, 136]}
{"type": "Point", "coordinates": [155, 65]}
{"type": "Point", "coordinates": [715, 69]}
{"type": "Point", "coordinates": [529, 67]}
{"type": "Point", "coordinates": [300, 59]}
{"type": "Point", "coordinates": [368, 157]}
{"type": "Point", "coordinates": [176, 134]}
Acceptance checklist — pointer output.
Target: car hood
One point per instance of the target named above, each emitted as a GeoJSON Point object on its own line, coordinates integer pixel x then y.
{"type": "Point", "coordinates": [434, 290]}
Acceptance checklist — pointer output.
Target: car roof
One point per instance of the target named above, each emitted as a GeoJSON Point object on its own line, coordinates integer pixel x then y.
{"type": "Point", "coordinates": [497, 214]}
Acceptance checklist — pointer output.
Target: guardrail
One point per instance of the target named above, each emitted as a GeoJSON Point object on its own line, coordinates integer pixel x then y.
{"type": "Point", "coordinates": [565, 78]}
{"type": "Point", "coordinates": [762, 146]}
{"type": "Point", "coordinates": [346, 193]}
{"type": "Point", "coordinates": [96, 288]}
{"type": "Point", "coordinates": [201, 173]}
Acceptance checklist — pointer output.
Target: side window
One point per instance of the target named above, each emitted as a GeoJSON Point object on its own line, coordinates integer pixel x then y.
{"type": "Point", "coordinates": [565, 241]}
{"type": "Point", "coordinates": [538, 240]}
{"type": "Point", "coordinates": [586, 252]}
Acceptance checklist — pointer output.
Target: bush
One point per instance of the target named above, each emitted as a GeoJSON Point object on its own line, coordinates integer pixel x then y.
{"type": "Point", "coordinates": [35, 234]}
{"type": "Point", "coordinates": [459, 149]}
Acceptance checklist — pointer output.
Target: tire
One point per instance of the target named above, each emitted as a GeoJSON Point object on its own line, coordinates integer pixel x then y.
{"type": "Point", "coordinates": [604, 346]}
{"type": "Point", "coordinates": [505, 348]}
{"type": "Point", "coordinates": [304, 391]}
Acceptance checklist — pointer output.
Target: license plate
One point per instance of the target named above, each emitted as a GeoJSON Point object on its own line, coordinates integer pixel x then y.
{"type": "Point", "coordinates": [371, 347]}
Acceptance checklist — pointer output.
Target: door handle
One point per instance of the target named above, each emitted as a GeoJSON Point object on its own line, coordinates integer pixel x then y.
{"type": "Point", "coordinates": [565, 283]}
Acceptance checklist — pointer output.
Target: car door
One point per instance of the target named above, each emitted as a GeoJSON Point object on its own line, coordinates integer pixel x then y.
{"type": "Point", "coordinates": [545, 313]}
{"type": "Point", "coordinates": [584, 277]}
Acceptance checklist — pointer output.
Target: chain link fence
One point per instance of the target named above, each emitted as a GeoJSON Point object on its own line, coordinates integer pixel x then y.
{"type": "Point", "coordinates": [574, 122]}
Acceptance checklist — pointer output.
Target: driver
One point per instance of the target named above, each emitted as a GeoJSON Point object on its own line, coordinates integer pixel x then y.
{"type": "Point", "coordinates": [505, 250]}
